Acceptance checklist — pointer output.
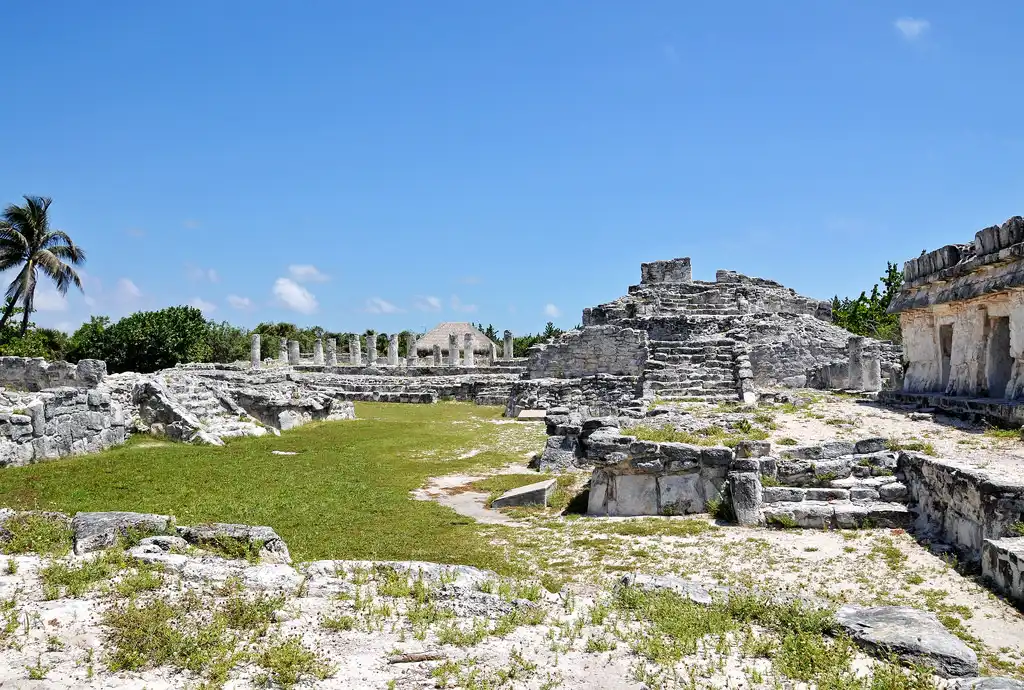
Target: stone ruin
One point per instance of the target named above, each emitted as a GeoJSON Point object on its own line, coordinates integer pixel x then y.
{"type": "Point", "coordinates": [961, 312]}
{"type": "Point", "coordinates": [675, 338]}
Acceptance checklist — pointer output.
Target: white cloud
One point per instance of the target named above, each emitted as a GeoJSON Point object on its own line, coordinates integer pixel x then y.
{"type": "Point", "coordinates": [294, 296]}
{"type": "Point", "coordinates": [240, 303]}
{"type": "Point", "coordinates": [191, 224]}
{"type": "Point", "coordinates": [376, 305]}
{"type": "Point", "coordinates": [912, 29]}
{"type": "Point", "coordinates": [202, 305]}
{"type": "Point", "coordinates": [457, 305]}
{"type": "Point", "coordinates": [198, 274]}
{"type": "Point", "coordinates": [307, 273]}
{"type": "Point", "coordinates": [127, 290]}
{"type": "Point", "coordinates": [89, 301]}
{"type": "Point", "coordinates": [552, 311]}
{"type": "Point", "coordinates": [427, 303]}
{"type": "Point", "coordinates": [48, 299]}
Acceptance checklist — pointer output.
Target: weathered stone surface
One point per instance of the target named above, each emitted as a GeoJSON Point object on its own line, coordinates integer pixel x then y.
{"type": "Point", "coordinates": [688, 589]}
{"type": "Point", "coordinates": [537, 494]}
{"type": "Point", "coordinates": [95, 531]}
{"type": "Point", "coordinates": [987, 683]}
{"type": "Point", "coordinates": [560, 453]}
{"type": "Point", "coordinates": [916, 637]}
{"type": "Point", "coordinates": [745, 492]}
{"type": "Point", "coordinates": [1002, 564]}
{"type": "Point", "coordinates": [158, 409]}
{"type": "Point", "coordinates": [262, 540]}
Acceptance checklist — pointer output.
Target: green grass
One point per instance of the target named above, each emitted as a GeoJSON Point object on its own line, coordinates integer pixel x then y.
{"type": "Point", "coordinates": [911, 445]}
{"type": "Point", "coordinates": [345, 495]}
{"type": "Point", "coordinates": [710, 436]}
{"type": "Point", "coordinates": [657, 527]}
{"type": "Point", "coordinates": [1013, 434]}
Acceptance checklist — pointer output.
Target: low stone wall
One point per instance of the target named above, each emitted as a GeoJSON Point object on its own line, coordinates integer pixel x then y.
{"type": "Point", "coordinates": [601, 395]}
{"type": "Point", "coordinates": [284, 412]}
{"type": "Point", "coordinates": [961, 504]}
{"type": "Point", "coordinates": [589, 351]}
{"type": "Point", "coordinates": [36, 374]}
{"type": "Point", "coordinates": [1005, 413]}
{"type": "Point", "coordinates": [60, 422]}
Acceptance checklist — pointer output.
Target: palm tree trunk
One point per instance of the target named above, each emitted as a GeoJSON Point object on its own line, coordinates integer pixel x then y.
{"type": "Point", "coordinates": [28, 312]}
{"type": "Point", "coordinates": [7, 313]}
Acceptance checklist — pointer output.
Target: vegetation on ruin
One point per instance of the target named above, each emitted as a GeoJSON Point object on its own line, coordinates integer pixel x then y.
{"type": "Point", "coordinates": [345, 495]}
{"type": "Point", "coordinates": [867, 315]}
{"type": "Point", "coordinates": [708, 436]}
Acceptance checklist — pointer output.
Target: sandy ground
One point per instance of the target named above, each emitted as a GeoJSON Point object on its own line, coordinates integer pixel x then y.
{"type": "Point", "coordinates": [841, 417]}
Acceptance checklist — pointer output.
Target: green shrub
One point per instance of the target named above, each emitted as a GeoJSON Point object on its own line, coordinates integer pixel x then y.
{"type": "Point", "coordinates": [36, 533]}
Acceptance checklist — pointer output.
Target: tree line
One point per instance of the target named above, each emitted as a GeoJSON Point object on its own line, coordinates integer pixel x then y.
{"type": "Point", "coordinates": [867, 315]}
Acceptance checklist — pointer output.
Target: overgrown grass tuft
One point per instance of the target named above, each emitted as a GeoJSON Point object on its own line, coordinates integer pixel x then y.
{"type": "Point", "coordinates": [34, 533]}
{"type": "Point", "coordinates": [709, 436]}
{"type": "Point", "coordinates": [913, 445]}
{"type": "Point", "coordinates": [657, 527]}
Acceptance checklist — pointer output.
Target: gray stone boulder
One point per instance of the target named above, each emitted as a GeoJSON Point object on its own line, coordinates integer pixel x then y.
{"type": "Point", "coordinates": [95, 531]}
{"type": "Point", "coordinates": [916, 637]}
{"type": "Point", "coordinates": [687, 589]}
{"type": "Point", "coordinates": [238, 541]}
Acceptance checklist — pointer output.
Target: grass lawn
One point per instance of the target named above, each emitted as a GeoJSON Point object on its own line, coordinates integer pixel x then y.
{"type": "Point", "coordinates": [345, 495]}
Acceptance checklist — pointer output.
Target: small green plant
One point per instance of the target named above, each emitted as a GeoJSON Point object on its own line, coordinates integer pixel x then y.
{"type": "Point", "coordinates": [37, 671]}
{"type": "Point", "coordinates": [787, 441]}
{"type": "Point", "coordinates": [288, 663]}
{"type": "Point", "coordinates": [338, 623]}
{"type": "Point", "coordinates": [782, 521]}
{"type": "Point", "coordinates": [552, 583]}
{"type": "Point", "coordinates": [64, 579]}
{"type": "Point", "coordinates": [11, 567]}
{"type": "Point", "coordinates": [142, 580]}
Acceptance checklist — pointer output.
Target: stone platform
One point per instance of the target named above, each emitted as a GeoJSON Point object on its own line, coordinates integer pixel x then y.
{"type": "Point", "coordinates": [1004, 413]}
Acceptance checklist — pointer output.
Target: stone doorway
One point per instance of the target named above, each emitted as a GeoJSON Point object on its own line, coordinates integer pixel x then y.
{"type": "Point", "coordinates": [998, 362]}
{"type": "Point", "coordinates": [945, 352]}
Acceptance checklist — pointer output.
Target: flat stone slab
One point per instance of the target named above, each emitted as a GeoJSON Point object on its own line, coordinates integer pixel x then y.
{"type": "Point", "coordinates": [988, 683]}
{"type": "Point", "coordinates": [95, 531]}
{"type": "Point", "coordinates": [916, 637]}
{"type": "Point", "coordinates": [532, 415]}
{"type": "Point", "coordinates": [530, 495]}
{"type": "Point", "coordinates": [270, 547]}
{"type": "Point", "coordinates": [1002, 563]}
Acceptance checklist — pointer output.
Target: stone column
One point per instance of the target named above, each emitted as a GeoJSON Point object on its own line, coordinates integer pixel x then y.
{"type": "Point", "coordinates": [355, 350]}
{"type": "Point", "coordinates": [318, 352]}
{"type": "Point", "coordinates": [872, 368]}
{"type": "Point", "coordinates": [437, 355]}
{"type": "Point", "coordinates": [508, 351]}
{"type": "Point", "coordinates": [293, 352]}
{"type": "Point", "coordinates": [254, 350]}
{"type": "Point", "coordinates": [469, 357]}
{"type": "Point", "coordinates": [282, 351]}
{"type": "Point", "coordinates": [371, 348]}
{"type": "Point", "coordinates": [855, 348]}
{"type": "Point", "coordinates": [453, 350]}
{"type": "Point", "coordinates": [411, 358]}
{"type": "Point", "coordinates": [494, 354]}
{"type": "Point", "coordinates": [332, 352]}
{"type": "Point", "coordinates": [393, 349]}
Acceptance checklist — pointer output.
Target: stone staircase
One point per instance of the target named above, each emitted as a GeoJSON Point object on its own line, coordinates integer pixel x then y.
{"type": "Point", "coordinates": [696, 299]}
{"type": "Point", "coordinates": [835, 485]}
{"type": "Point", "coordinates": [217, 413]}
{"type": "Point", "coordinates": [691, 369]}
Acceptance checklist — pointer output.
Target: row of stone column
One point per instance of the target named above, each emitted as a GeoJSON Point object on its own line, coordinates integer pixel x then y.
{"type": "Point", "coordinates": [288, 351]}
{"type": "Point", "coordinates": [865, 370]}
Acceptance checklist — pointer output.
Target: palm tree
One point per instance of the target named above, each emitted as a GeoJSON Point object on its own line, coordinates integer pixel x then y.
{"type": "Point", "coordinates": [28, 243]}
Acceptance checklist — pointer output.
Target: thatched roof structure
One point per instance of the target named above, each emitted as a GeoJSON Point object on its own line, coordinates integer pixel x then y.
{"type": "Point", "coordinates": [439, 335]}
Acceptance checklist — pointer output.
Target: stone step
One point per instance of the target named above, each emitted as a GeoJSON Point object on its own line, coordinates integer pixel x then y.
{"type": "Point", "coordinates": [698, 344]}
{"type": "Point", "coordinates": [837, 514]}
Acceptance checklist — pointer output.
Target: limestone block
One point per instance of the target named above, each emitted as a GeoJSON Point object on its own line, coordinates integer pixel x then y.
{"type": "Point", "coordinates": [95, 531]}
{"type": "Point", "coordinates": [270, 547]}
{"type": "Point", "coordinates": [746, 497]}
{"type": "Point", "coordinates": [537, 494]}
{"type": "Point", "coordinates": [681, 494]}
{"type": "Point", "coordinates": [633, 494]}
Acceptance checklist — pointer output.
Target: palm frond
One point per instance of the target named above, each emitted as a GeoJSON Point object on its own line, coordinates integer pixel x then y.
{"type": "Point", "coordinates": [71, 253]}
{"type": "Point", "coordinates": [63, 275]}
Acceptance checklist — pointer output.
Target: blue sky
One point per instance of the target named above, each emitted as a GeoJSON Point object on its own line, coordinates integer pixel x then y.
{"type": "Point", "coordinates": [390, 165]}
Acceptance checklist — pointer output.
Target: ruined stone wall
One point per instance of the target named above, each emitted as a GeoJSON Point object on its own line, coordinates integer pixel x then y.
{"type": "Point", "coordinates": [602, 394]}
{"type": "Point", "coordinates": [60, 422]}
{"type": "Point", "coordinates": [36, 374]}
{"type": "Point", "coordinates": [592, 350]}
